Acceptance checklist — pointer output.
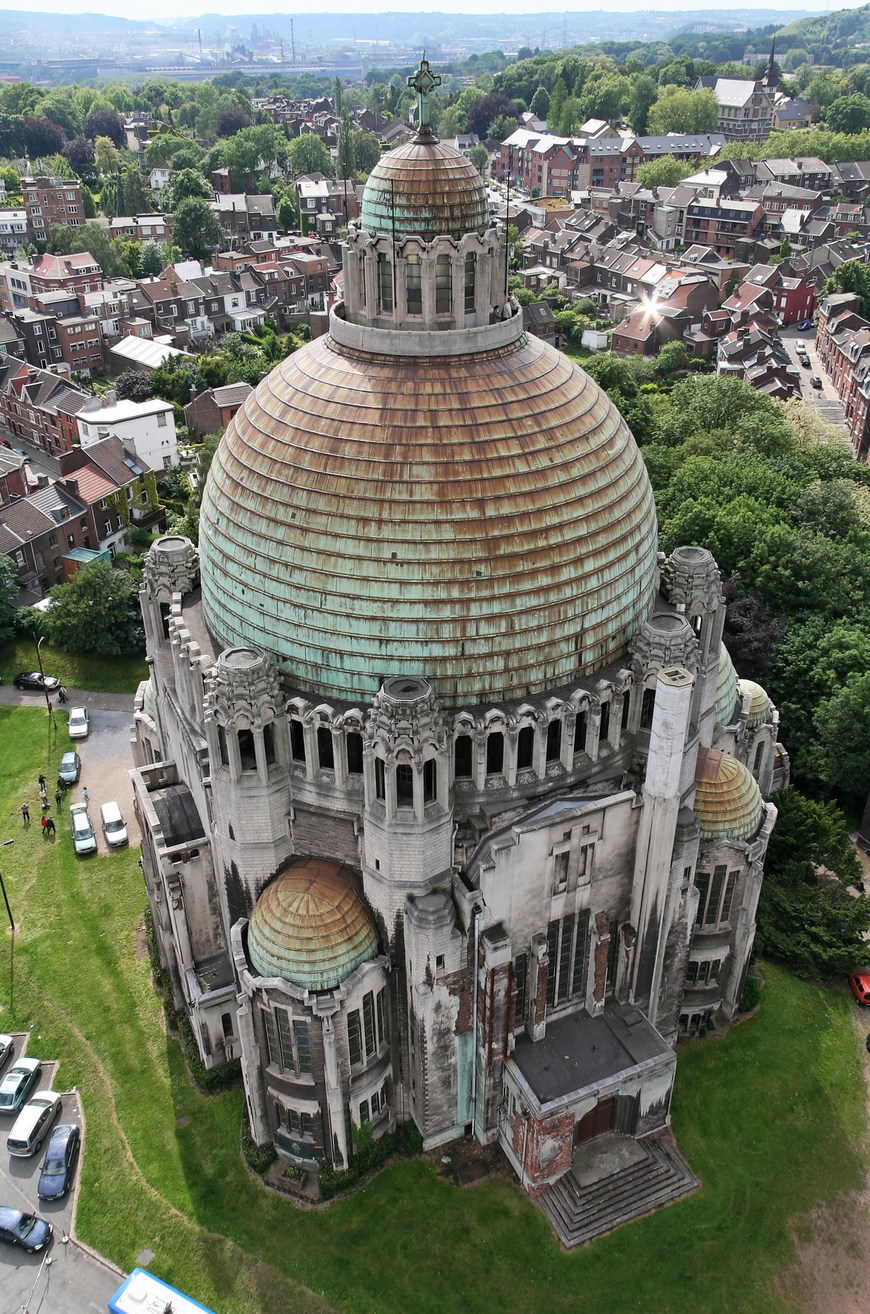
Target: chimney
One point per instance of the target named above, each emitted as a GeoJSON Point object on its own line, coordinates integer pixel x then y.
{"type": "Point", "coordinates": [72, 485]}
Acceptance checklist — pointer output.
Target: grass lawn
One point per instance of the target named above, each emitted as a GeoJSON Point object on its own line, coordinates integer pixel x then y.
{"type": "Point", "coordinates": [115, 674]}
{"type": "Point", "coordinates": [771, 1118]}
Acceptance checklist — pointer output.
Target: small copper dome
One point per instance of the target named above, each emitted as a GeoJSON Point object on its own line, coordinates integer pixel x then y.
{"type": "Point", "coordinates": [759, 703]}
{"type": "Point", "coordinates": [311, 927]}
{"type": "Point", "coordinates": [727, 799]}
{"type": "Point", "coordinates": [424, 189]}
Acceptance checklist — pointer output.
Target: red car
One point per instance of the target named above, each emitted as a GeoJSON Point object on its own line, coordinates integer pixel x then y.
{"type": "Point", "coordinates": [859, 981]}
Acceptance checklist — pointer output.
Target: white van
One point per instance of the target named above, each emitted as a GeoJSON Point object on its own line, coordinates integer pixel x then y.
{"type": "Point", "coordinates": [33, 1123]}
{"type": "Point", "coordinates": [114, 825]}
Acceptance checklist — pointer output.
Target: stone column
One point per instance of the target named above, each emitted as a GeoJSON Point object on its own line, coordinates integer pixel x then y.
{"type": "Point", "coordinates": [334, 1094]}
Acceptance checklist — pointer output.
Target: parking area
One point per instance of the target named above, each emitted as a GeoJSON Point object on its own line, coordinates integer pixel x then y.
{"type": "Point", "coordinates": [65, 1278]}
{"type": "Point", "coordinates": [824, 399]}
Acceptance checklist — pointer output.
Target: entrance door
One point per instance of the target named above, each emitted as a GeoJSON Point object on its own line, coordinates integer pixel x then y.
{"type": "Point", "coordinates": [596, 1122]}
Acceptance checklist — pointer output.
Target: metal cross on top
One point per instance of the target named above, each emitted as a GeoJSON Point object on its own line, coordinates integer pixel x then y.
{"type": "Point", "coordinates": [423, 82]}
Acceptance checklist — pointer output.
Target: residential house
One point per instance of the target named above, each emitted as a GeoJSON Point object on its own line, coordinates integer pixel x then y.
{"type": "Point", "coordinates": [210, 411]}
{"type": "Point", "coordinates": [13, 231]}
{"type": "Point", "coordinates": [39, 406]}
{"type": "Point", "coordinates": [745, 107]}
{"type": "Point", "coordinates": [13, 475]}
{"type": "Point", "coordinates": [756, 355]}
{"type": "Point", "coordinates": [146, 428]}
{"type": "Point", "coordinates": [49, 200]}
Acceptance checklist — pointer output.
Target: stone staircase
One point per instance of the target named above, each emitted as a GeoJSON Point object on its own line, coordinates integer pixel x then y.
{"type": "Point", "coordinates": [612, 1181]}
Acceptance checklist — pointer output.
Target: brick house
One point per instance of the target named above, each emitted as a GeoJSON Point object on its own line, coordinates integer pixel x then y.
{"type": "Point", "coordinates": [49, 200]}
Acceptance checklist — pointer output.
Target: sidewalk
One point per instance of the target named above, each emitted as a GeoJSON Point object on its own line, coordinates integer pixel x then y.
{"type": "Point", "coordinates": [91, 698]}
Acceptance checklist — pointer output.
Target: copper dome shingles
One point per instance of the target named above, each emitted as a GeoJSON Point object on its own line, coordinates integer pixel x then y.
{"type": "Point", "coordinates": [728, 802]}
{"type": "Point", "coordinates": [424, 189]}
{"type": "Point", "coordinates": [351, 534]}
{"type": "Point", "coordinates": [310, 926]}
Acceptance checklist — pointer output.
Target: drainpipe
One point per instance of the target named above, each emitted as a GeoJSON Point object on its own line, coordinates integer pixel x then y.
{"type": "Point", "coordinates": [475, 914]}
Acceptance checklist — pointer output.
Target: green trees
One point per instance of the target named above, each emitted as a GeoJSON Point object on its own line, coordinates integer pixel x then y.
{"type": "Point", "coordinates": [666, 171]}
{"type": "Point", "coordinates": [97, 612]}
{"type": "Point", "coordinates": [309, 154]}
{"type": "Point", "coordinates": [8, 594]}
{"type": "Point", "coordinates": [366, 150]}
{"type": "Point", "coordinates": [680, 110]}
{"type": "Point", "coordinates": [848, 114]}
{"type": "Point", "coordinates": [852, 276]}
{"type": "Point", "coordinates": [196, 228]}
{"type": "Point", "coordinates": [806, 916]}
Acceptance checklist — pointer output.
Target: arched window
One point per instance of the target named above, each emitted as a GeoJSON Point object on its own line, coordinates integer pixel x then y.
{"type": "Point", "coordinates": [462, 756]}
{"type": "Point", "coordinates": [580, 733]}
{"type": "Point", "coordinates": [414, 285]}
{"type": "Point", "coordinates": [297, 741]}
{"type": "Point", "coordinates": [269, 744]}
{"type": "Point", "coordinates": [324, 749]}
{"type": "Point", "coordinates": [554, 741]}
{"type": "Point", "coordinates": [361, 282]}
{"type": "Point", "coordinates": [647, 707]}
{"type": "Point", "coordinates": [626, 708]}
{"type": "Point", "coordinates": [494, 753]}
{"type": "Point", "coordinates": [385, 285]}
{"type": "Point", "coordinates": [430, 786]}
{"type": "Point", "coordinates": [605, 722]}
{"type": "Point", "coordinates": [354, 753]}
{"type": "Point", "coordinates": [443, 286]}
{"type": "Point", "coordinates": [470, 281]}
{"type": "Point", "coordinates": [380, 778]}
{"type": "Point", "coordinates": [246, 750]}
{"type": "Point", "coordinates": [404, 785]}
{"type": "Point", "coordinates": [525, 748]}
{"type": "Point", "coordinates": [759, 758]}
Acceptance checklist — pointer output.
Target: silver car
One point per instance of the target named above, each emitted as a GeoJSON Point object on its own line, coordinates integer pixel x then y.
{"type": "Point", "coordinates": [84, 838]}
{"type": "Point", "coordinates": [79, 723]}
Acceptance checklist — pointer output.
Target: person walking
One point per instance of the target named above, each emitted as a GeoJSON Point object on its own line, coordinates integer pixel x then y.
{"type": "Point", "coordinates": [61, 694]}
{"type": "Point", "coordinates": [25, 813]}
{"type": "Point", "coordinates": [58, 797]}
{"type": "Point", "coordinates": [44, 825]}
{"type": "Point", "coordinates": [86, 796]}
{"type": "Point", "coordinates": [42, 784]}
{"type": "Point", "coordinates": [49, 826]}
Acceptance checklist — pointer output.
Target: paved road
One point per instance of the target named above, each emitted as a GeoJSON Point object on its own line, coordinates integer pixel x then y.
{"type": "Point", "coordinates": [824, 400]}
{"type": "Point", "coordinates": [66, 1278]}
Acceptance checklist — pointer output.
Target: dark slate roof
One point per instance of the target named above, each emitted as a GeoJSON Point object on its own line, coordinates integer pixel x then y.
{"type": "Point", "coordinates": [177, 814]}
{"type": "Point", "coordinates": [579, 1050]}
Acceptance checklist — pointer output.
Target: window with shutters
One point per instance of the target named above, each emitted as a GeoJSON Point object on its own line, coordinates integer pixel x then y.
{"type": "Point", "coordinates": [414, 285]}
{"type": "Point", "coordinates": [385, 285]}
{"type": "Point", "coordinates": [443, 286]}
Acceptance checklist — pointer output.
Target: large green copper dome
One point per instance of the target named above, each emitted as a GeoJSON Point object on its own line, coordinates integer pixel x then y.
{"type": "Point", "coordinates": [485, 521]}
{"type": "Point", "coordinates": [424, 189]}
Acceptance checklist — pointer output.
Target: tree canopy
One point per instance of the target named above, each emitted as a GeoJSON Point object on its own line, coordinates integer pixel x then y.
{"type": "Point", "coordinates": [96, 611]}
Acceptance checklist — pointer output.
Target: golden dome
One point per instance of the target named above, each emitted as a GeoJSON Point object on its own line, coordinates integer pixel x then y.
{"type": "Point", "coordinates": [759, 703]}
{"type": "Point", "coordinates": [483, 520]}
{"type": "Point", "coordinates": [310, 926]}
{"type": "Point", "coordinates": [727, 799]}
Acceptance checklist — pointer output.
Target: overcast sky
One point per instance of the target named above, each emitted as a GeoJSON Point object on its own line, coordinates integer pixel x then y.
{"type": "Point", "coordinates": [160, 9]}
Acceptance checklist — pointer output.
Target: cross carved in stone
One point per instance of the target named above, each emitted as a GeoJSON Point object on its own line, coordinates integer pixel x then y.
{"type": "Point", "coordinates": [423, 82]}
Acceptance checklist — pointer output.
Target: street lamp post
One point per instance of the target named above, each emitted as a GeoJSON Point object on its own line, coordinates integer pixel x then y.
{"type": "Point", "coordinates": [3, 844]}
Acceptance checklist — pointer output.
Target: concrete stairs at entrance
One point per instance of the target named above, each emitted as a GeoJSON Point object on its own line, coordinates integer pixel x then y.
{"type": "Point", "coordinates": [612, 1181]}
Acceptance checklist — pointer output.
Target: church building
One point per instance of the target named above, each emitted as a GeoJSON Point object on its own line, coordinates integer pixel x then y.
{"type": "Point", "coordinates": [452, 802]}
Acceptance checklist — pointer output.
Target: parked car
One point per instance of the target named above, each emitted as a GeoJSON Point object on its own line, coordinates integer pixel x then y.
{"type": "Point", "coordinates": [815, 381]}
{"type": "Point", "coordinates": [859, 980]}
{"type": "Point", "coordinates": [37, 681]}
{"type": "Point", "coordinates": [18, 1083]}
{"type": "Point", "coordinates": [79, 723]}
{"type": "Point", "coordinates": [28, 1231]}
{"type": "Point", "coordinates": [59, 1164]}
{"type": "Point", "coordinates": [805, 326]}
{"type": "Point", "coordinates": [32, 1124]}
{"type": "Point", "coordinates": [800, 346]}
{"type": "Point", "coordinates": [804, 360]}
{"type": "Point", "coordinates": [7, 1047]}
{"type": "Point", "coordinates": [70, 768]}
{"type": "Point", "coordinates": [114, 825]}
{"type": "Point", "coordinates": [25, 456]}
{"type": "Point", "coordinates": [84, 838]}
